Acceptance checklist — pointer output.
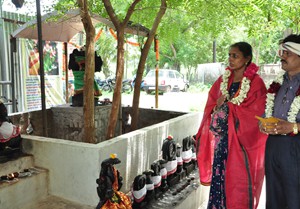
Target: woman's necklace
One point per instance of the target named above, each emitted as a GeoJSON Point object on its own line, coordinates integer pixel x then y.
{"type": "Point", "coordinates": [242, 92]}
{"type": "Point", "coordinates": [272, 92]}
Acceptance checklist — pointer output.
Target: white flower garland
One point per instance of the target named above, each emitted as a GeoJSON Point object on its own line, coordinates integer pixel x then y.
{"type": "Point", "coordinates": [245, 87]}
{"type": "Point", "coordinates": [295, 106]}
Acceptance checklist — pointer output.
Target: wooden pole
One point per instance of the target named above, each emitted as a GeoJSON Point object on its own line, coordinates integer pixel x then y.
{"type": "Point", "coordinates": [42, 73]}
{"type": "Point", "coordinates": [67, 71]}
{"type": "Point", "coordinates": [156, 48]}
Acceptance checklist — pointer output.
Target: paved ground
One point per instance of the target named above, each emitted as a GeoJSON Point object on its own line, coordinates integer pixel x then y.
{"type": "Point", "coordinates": [53, 202]}
{"type": "Point", "coordinates": [176, 101]}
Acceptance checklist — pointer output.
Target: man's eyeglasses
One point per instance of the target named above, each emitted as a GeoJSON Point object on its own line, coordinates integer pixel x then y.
{"type": "Point", "coordinates": [282, 52]}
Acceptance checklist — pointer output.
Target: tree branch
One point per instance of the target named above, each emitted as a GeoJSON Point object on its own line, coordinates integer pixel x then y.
{"type": "Point", "coordinates": [130, 11]}
{"type": "Point", "coordinates": [111, 13]}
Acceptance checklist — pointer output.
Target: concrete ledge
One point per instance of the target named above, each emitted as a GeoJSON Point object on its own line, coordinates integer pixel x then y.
{"type": "Point", "coordinates": [16, 165]}
{"type": "Point", "coordinates": [75, 166]}
{"type": "Point", "coordinates": [25, 190]}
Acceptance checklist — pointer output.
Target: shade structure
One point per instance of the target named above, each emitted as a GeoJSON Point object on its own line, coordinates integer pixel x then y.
{"type": "Point", "coordinates": [66, 26]}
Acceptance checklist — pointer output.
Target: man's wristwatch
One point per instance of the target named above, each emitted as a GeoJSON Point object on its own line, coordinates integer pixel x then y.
{"type": "Point", "coordinates": [295, 128]}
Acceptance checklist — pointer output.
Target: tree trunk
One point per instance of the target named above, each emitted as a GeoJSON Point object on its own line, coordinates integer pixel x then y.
{"type": "Point", "coordinates": [117, 91]}
{"type": "Point", "coordinates": [88, 90]}
{"type": "Point", "coordinates": [141, 66]}
{"type": "Point", "coordinates": [120, 27]}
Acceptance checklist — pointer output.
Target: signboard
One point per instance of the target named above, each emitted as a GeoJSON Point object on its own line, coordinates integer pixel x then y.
{"type": "Point", "coordinates": [54, 75]}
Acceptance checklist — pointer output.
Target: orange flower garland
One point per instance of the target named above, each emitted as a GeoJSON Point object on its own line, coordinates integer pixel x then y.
{"type": "Point", "coordinates": [115, 36]}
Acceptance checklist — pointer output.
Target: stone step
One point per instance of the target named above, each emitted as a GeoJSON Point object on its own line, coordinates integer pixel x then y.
{"type": "Point", "coordinates": [27, 188]}
{"type": "Point", "coordinates": [16, 164]}
{"type": "Point", "coordinates": [53, 202]}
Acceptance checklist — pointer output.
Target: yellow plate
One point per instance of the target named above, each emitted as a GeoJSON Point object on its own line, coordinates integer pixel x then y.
{"type": "Point", "coordinates": [268, 120]}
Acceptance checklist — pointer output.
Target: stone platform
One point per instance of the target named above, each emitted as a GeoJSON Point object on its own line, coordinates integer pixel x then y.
{"type": "Point", "coordinates": [71, 167]}
{"type": "Point", "coordinates": [68, 122]}
{"type": "Point", "coordinates": [22, 183]}
{"type": "Point", "coordinates": [75, 165]}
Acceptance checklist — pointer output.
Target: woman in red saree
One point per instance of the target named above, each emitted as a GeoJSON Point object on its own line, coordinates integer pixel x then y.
{"type": "Point", "coordinates": [230, 147]}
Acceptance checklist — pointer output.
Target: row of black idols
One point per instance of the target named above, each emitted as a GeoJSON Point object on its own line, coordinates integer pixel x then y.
{"type": "Point", "coordinates": [177, 162]}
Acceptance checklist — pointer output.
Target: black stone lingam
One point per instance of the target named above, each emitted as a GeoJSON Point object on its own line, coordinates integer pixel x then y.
{"type": "Point", "coordinates": [139, 192]}
{"type": "Point", "coordinates": [149, 186]}
{"type": "Point", "coordinates": [169, 154]}
{"type": "Point", "coordinates": [187, 154]}
{"type": "Point", "coordinates": [156, 178]}
{"type": "Point", "coordinates": [176, 194]}
{"type": "Point", "coordinates": [109, 184]}
{"type": "Point", "coordinates": [163, 173]}
{"type": "Point", "coordinates": [194, 154]}
{"type": "Point", "coordinates": [180, 171]}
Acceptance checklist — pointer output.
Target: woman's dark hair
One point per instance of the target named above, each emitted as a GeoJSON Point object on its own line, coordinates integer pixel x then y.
{"type": "Point", "coordinates": [245, 48]}
{"type": "Point", "coordinates": [3, 113]}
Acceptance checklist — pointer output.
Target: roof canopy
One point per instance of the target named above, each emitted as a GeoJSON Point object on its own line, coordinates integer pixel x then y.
{"type": "Point", "coordinates": [65, 27]}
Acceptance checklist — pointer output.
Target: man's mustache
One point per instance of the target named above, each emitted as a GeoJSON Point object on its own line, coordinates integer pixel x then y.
{"type": "Point", "coordinates": [282, 60]}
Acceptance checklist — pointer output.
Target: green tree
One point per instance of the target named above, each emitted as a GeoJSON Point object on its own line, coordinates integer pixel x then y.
{"type": "Point", "coordinates": [189, 27]}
